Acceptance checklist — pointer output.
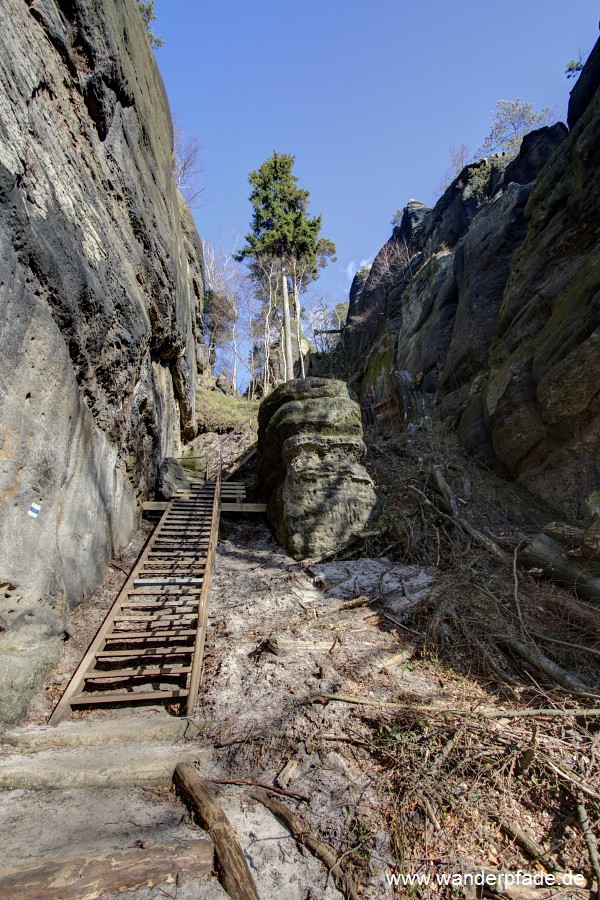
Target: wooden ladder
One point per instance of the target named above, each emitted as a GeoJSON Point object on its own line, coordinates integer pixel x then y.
{"type": "Point", "coordinates": [150, 647]}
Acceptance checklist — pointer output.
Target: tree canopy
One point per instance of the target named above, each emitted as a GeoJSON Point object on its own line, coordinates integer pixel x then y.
{"type": "Point", "coordinates": [281, 226]}
{"type": "Point", "coordinates": [282, 230]}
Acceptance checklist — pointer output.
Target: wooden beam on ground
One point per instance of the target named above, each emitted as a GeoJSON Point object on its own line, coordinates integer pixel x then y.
{"type": "Point", "coordinates": [154, 505]}
{"type": "Point", "coordinates": [232, 868]}
{"type": "Point", "coordinates": [96, 874]}
{"type": "Point", "coordinates": [243, 507]}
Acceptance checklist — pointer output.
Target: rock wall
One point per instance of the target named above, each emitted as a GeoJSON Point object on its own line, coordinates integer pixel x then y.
{"type": "Point", "coordinates": [491, 301]}
{"type": "Point", "coordinates": [309, 450]}
{"type": "Point", "coordinates": [100, 293]}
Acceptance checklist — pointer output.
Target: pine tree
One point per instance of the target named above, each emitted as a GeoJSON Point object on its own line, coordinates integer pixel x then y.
{"type": "Point", "coordinates": [281, 229]}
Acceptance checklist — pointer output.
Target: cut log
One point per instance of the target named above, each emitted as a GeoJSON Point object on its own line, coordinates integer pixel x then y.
{"type": "Point", "coordinates": [232, 868]}
{"type": "Point", "coordinates": [545, 553]}
{"type": "Point", "coordinates": [111, 871]}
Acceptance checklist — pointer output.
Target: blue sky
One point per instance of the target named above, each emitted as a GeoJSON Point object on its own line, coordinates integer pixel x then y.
{"type": "Point", "coordinates": [367, 96]}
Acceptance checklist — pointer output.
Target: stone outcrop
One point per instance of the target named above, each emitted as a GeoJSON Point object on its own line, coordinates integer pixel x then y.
{"type": "Point", "coordinates": [100, 299]}
{"type": "Point", "coordinates": [310, 449]}
{"type": "Point", "coordinates": [493, 305]}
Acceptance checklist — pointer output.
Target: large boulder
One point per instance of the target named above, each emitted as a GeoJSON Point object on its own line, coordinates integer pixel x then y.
{"type": "Point", "coordinates": [310, 449]}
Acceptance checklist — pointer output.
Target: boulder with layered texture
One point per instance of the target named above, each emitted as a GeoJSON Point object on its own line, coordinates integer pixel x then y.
{"type": "Point", "coordinates": [310, 450]}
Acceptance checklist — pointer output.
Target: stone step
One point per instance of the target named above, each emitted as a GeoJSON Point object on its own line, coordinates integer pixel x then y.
{"type": "Point", "coordinates": [118, 727]}
{"type": "Point", "coordinates": [116, 765]}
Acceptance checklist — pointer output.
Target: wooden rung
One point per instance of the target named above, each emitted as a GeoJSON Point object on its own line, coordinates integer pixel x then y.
{"type": "Point", "coordinates": [148, 635]}
{"type": "Point", "coordinates": [168, 617]}
{"type": "Point", "coordinates": [95, 699]}
{"type": "Point", "coordinates": [159, 603]}
{"type": "Point", "coordinates": [142, 581]}
{"type": "Point", "coordinates": [141, 672]}
{"type": "Point", "coordinates": [191, 592]}
{"type": "Point", "coordinates": [147, 651]}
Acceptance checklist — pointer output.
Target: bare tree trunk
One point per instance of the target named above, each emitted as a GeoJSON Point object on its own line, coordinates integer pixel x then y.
{"type": "Point", "coordinates": [298, 326]}
{"type": "Point", "coordinates": [267, 344]}
{"type": "Point", "coordinates": [287, 329]}
{"type": "Point", "coordinates": [235, 359]}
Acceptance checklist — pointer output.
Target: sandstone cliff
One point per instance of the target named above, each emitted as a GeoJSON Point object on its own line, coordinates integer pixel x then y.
{"type": "Point", "coordinates": [100, 294]}
{"type": "Point", "coordinates": [490, 302]}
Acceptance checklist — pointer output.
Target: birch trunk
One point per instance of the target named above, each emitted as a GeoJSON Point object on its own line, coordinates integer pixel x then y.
{"type": "Point", "coordinates": [287, 330]}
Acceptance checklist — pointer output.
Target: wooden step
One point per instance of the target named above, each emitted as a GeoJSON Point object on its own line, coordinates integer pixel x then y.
{"type": "Point", "coordinates": [147, 651]}
{"type": "Point", "coordinates": [140, 672]}
{"type": "Point", "coordinates": [139, 696]}
{"type": "Point", "coordinates": [121, 636]}
{"type": "Point", "coordinates": [143, 581]}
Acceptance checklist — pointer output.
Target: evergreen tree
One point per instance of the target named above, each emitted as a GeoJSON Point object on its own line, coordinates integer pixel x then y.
{"type": "Point", "coordinates": [282, 230]}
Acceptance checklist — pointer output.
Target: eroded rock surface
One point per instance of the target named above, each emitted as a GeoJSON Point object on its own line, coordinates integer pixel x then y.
{"type": "Point", "coordinates": [310, 450]}
{"type": "Point", "coordinates": [100, 293]}
{"type": "Point", "coordinates": [491, 302]}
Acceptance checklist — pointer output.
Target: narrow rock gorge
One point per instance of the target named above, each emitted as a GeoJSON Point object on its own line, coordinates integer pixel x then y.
{"type": "Point", "coordinates": [101, 292]}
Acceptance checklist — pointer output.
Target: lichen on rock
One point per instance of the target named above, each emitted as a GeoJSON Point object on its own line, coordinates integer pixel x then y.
{"type": "Point", "coordinates": [310, 450]}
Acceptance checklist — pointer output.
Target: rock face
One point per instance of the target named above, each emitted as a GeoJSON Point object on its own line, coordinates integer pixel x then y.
{"type": "Point", "coordinates": [100, 294]}
{"type": "Point", "coordinates": [493, 305]}
{"type": "Point", "coordinates": [310, 449]}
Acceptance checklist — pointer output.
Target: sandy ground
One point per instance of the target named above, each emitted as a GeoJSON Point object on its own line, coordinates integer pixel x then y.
{"type": "Point", "coordinates": [278, 639]}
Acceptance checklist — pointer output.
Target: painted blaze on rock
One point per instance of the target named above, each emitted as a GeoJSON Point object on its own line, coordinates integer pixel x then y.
{"type": "Point", "coordinates": [310, 450]}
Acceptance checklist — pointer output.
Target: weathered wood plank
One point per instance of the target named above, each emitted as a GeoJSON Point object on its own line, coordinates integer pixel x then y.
{"type": "Point", "coordinates": [95, 874]}
{"type": "Point", "coordinates": [227, 507]}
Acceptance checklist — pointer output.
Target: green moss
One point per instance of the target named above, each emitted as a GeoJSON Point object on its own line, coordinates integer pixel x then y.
{"type": "Point", "coordinates": [219, 412]}
{"type": "Point", "coordinates": [380, 364]}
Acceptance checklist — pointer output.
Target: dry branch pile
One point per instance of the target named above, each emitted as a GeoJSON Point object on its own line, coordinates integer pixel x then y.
{"type": "Point", "coordinates": [520, 791]}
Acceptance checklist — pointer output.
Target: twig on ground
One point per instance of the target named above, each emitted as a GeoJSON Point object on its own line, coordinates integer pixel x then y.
{"type": "Point", "coordinates": [234, 874]}
{"type": "Point", "coordinates": [522, 628]}
{"type": "Point", "coordinates": [485, 542]}
{"type": "Point", "coordinates": [581, 647]}
{"type": "Point", "coordinates": [526, 841]}
{"type": "Point", "coordinates": [541, 662]}
{"type": "Point", "coordinates": [454, 711]}
{"type": "Point", "coordinates": [262, 784]}
{"type": "Point", "coordinates": [590, 840]}
{"type": "Point", "coordinates": [298, 828]}
{"type": "Point", "coordinates": [570, 777]}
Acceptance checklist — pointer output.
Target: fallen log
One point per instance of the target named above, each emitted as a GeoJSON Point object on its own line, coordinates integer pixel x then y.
{"type": "Point", "coordinates": [232, 868]}
{"type": "Point", "coordinates": [298, 828]}
{"type": "Point", "coordinates": [583, 615]}
{"type": "Point", "coordinates": [547, 554]}
{"type": "Point", "coordinates": [111, 871]}
{"type": "Point", "coordinates": [543, 664]}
